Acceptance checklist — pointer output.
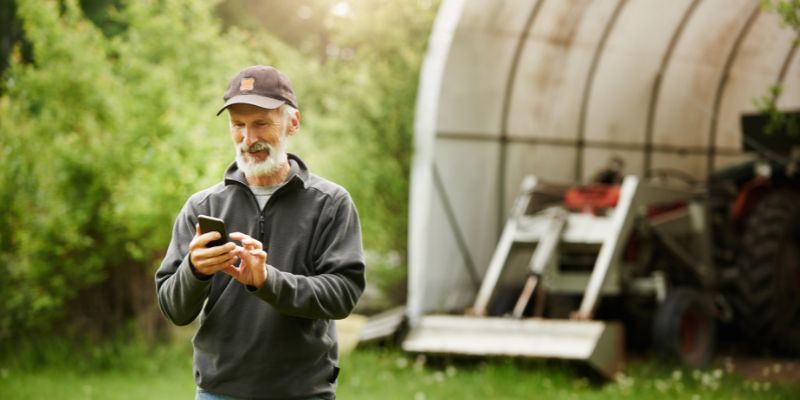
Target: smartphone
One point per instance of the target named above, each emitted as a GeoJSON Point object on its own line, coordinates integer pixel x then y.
{"type": "Point", "coordinates": [210, 224]}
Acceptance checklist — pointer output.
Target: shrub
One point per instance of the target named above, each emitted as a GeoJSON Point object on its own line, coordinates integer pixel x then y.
{"type": "Point", "coordinates": [102, 140]}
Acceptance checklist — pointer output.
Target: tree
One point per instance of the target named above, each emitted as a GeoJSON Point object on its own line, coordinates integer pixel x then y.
{"type": "Point", "coordinates": [102, 138]}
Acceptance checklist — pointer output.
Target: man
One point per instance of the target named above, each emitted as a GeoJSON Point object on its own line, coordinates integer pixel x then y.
{"type": "Point", "coordinates": [266, 305]}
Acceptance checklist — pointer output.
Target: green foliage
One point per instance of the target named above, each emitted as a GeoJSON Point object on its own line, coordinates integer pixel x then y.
{"type": "Point", "coordinates": [789, 11]}
{"type": "Point", "coordinates": [369, 107]}
{"type": "Point", "coordinates": [356, 87]}
{"type": "Point", "coordinates": [107, 125]}
{"type": "Point", "coordinates": [779, 122]}
{"type": "Point", "coordinates": [102, 139]}
{"type": "Point", "coordinates": [357, 92]}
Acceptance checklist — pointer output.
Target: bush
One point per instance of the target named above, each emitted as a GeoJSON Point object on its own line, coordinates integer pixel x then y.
{"type": "Point", "coordinates": [102, 139]}
{"type": "Point", "coordinates": [106, 132]}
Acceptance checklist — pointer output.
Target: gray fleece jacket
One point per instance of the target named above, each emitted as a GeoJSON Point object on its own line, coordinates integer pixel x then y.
{"type": "Point", "coordinates": [279, 341]}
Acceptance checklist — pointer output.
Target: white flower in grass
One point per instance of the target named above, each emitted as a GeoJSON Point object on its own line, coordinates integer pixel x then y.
{"type": "Point", "coordinates": [625, 382]}
{"type": "Point", "coordinates": [419, 363]}
{"type": "Point", "coordinates": [677, 375]}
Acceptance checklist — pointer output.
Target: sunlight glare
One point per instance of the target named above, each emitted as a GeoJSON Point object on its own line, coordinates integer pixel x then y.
{"type": "Point", "coordinates": [341, 9]}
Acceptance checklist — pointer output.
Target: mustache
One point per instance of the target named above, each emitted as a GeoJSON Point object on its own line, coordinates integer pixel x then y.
{"type": "Point", "coordinates": [257, 146]}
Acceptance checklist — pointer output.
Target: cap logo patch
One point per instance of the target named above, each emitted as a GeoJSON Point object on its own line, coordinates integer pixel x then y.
{"type": "Point", "coordinates": [246, 84]}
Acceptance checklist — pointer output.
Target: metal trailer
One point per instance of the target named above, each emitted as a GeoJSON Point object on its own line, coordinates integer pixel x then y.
{"type": "Point", "coordinates": [555, 89]}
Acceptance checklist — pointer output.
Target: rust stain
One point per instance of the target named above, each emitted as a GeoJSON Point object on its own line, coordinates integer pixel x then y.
{"type": "Point", "coordinates": [549, 76]}
{"type": "Point", "coordinates": [715, 50]}
{"type": "Point", "coordinates": [703, 71]}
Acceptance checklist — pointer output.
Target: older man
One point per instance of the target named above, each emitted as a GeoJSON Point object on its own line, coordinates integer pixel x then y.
{"type": "Point", "coordinates": [266, 305]}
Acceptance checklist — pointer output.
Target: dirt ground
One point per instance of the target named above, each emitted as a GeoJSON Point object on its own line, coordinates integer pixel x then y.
{"type": "Point", "coordinates": [762, 369]}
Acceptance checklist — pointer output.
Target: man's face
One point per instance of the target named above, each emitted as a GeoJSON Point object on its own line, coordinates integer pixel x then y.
{"type": "Point", "coordinates": [260, 137]}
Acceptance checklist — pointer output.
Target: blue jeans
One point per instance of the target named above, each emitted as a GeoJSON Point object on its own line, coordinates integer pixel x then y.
{"type": "Point", "coordinates": [203, 395]}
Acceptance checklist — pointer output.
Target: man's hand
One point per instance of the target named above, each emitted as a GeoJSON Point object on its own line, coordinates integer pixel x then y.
{"type": "Point", "coordinates": [207, 261]}
{"type": "Point", "coordinates": [253, 266]}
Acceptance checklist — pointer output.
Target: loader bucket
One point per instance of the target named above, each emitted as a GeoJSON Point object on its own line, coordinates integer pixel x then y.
{"type": "Point", "coordinates": [600, 344]}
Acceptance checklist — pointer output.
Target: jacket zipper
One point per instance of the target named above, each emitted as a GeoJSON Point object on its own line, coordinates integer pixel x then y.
{"type": "Point", "coordinates": [261, 229]}
{"type": "Point", "coordinates": [260, 212]}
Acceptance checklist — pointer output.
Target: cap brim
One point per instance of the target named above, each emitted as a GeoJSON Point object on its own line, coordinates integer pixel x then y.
{"type": "Point", "coordinates": [256, 100]}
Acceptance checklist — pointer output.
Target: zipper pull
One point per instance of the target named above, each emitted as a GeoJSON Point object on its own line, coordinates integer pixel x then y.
{"type": "Point", "coordinates": [261, 227]}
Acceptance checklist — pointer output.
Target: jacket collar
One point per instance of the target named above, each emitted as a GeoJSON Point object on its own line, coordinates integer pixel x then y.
{"type": "Point", "coordinates": [298, 173]}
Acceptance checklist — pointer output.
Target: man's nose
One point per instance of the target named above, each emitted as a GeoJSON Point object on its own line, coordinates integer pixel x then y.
{"type": "Point", "coordinates": [248, 135]}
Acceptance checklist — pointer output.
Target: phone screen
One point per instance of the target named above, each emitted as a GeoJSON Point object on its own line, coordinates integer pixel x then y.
{"type": "Point", "coordinates": [210, 224]}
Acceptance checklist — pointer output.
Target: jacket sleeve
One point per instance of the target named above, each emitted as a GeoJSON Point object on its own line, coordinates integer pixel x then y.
{"type": "Point", "coordinates": [180, 292]}
{"type": "Point", "coordinates": [339, 263]}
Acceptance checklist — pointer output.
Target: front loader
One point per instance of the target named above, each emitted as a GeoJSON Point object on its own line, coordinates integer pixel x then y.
{"type": "Point", "coordinates": [561, 251]}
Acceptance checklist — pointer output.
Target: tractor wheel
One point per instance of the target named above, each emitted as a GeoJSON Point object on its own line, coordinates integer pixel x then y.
{"type": "Point", "coordinates": [684, 328]}
{"type": "Point", "coordinates": [767, 298]}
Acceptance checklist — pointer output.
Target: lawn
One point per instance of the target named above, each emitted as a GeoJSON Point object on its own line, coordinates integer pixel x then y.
{"type": "Point", "coordinates": [375, 373]}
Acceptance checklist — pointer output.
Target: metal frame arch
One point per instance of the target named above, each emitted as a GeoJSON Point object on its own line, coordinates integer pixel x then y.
{"type": "Point", "coordinates": [722, 84]}
{"type": "Point", "coordinates": [786, 62]}
{"type": "Point", "coordinates": [505, 107]}
{"type": "Point", "coordinates": [656, 92]}
{"type": "Point", "coordinates": [422, 179]}
{"type": "Point", "coordinates": [587, 89]}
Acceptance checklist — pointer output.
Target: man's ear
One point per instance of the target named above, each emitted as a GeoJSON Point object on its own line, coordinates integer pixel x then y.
{"type": "Point", "coordinates": [294, 122]}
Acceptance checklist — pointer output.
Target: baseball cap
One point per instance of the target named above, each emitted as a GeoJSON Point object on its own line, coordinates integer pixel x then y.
{"type": "Point", "coordinates": [261, 86]}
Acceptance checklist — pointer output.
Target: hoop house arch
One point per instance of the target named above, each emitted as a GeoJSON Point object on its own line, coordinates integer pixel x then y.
{"type": "Point", "coordinates": [557, 88]}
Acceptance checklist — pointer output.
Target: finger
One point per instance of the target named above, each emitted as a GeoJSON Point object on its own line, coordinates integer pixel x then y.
{"type": "Point", "coordinates": [226, 258]}
{"type": "Point", "coordinates": [218, 267]}
{"type": "Point", "coordinates": [202, 240]}
{"type": "Point", "coordinates": [234, 272]}
{"type": "Point", "coordinates": [251, 243]}
{"type": "Point", "coordinates": [259, 253]}
{"type": "Point", "coordinates": [202, 260]}
{"type": "Point", "coordinates": [197, 230]}
{"type": "Point", "coordinates": [222, 249]}
{"type": "Point", "coordinates": [203, 253]}
{"type": "Point", "coordinates": [194, 244]}
{"type": "Point", "coordinates": [238, 236]}
{"type": "Point", "coordinates": [212, 268]}
{"type": "Point", "coordinates": [216, 250]}
{"type": "Point", "coordinates": [245, 252]}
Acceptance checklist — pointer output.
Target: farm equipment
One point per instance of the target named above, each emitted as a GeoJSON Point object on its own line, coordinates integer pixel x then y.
{"type": "Point", "coordinates": [554, 90]}
{"type": "Point", "coordinates": [678, 257]}
{"type": "Point", "coordinates": [567, 249]}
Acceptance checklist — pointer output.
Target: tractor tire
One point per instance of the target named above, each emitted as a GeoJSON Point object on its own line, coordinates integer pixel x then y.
{"type": "Point", "coordinates": [767, 296]}
{"type": "Point", "coordinates": [684, 329]}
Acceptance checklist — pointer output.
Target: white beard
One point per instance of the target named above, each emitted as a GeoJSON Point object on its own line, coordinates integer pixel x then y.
{"type": "Point", "coordinates": [253, 168]}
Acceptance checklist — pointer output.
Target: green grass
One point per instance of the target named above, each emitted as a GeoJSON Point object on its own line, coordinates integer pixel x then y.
{"type": "Point", "coordinates": [393, 375]}
{"type": "Point", "coordinates": [134, 373]}
{"type": "Point", "coordinates": [131, 373]}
